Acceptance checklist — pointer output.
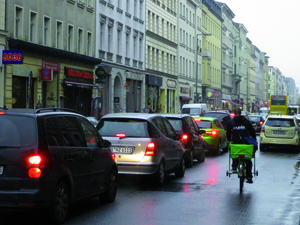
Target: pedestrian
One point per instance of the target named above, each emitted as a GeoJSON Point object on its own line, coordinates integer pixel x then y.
{"type": "Point", "coordinates": [237, 129]}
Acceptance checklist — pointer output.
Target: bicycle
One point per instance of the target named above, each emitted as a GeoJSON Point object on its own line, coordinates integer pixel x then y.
{"type": "Point", "coordinates": [242, 152]}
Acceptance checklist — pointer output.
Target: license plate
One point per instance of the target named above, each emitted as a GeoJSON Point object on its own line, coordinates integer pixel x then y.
{"type": "Point", "coordinates": [124, 150]}
{"type": "Point", "coordinates": [1, 170]}
{"type": "Point", "coordinates": [278, 132]}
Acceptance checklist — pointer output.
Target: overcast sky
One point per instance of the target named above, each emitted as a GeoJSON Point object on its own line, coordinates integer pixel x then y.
{"type": "Point", "coordinates": [274, 27]}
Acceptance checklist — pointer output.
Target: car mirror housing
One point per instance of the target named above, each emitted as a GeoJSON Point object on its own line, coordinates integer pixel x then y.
{"type": "Point", "coordinates": [106, 143]}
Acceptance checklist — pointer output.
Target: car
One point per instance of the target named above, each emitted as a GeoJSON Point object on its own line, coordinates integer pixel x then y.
{"type": "Point", "coordinates": [257, 122]}
{"type": "Point", "coordinates": [93, 120]}
{"type": "Point", "coordinates": [144, 144]}
{"type": "Point", "coordinates": [280, 131]}
{"type": "Point", "coordinates": [194, 109]}
{"type": "Point", "coordinates": [222, 116]}
{"type": "Point", "coordinates": [51, 158]}
{"type": "Point", "coordinates": [190, 136]}
{"type": "Point", "coordinates": [215, 134]}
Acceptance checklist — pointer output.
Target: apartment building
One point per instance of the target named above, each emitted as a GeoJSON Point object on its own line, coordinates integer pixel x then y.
{"type": "Point", "coordinates": [3, 36]}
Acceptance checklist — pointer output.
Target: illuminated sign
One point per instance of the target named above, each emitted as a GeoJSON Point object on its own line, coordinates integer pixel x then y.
{"type": "Point", "coordinates": [12, 57]}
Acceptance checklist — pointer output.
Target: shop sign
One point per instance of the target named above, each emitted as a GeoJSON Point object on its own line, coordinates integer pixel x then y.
{"type": "Point", "coordinates": [79, 75]}
{"type": "Point", "coordinates": [184, 90]}
{"type": "Point", "coordinates": [12, 57]}
{"type": "Point", "coordinates": [46, 75]}
{"type": "Point", "coordinates": [51, 65]}
{"type": "Point", "coordinates": [171, 83]}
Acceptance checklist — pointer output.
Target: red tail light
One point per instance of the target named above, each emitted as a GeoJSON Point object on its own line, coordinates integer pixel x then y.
{"type": "Point", "coordinates": [34, 165]}
{"type": "Point", "coordinates": [197, 119]}
{"type": "Point", "coordinates": [150, 151]}
{"type": "Point", "coordinates": [2, 113]}
{"type": "Point", "coordinates": [212, 132]}
{"type": "Point", "coordinates": [263, 129]}
{"type": "Point", "coordinates": [184, 139]}
{"type": "Point", "coordinates": [113, 156]}
{"type": "Point", "coordinates": [261, 123]}
{"type": "Point", "coordinates": [120, 135]}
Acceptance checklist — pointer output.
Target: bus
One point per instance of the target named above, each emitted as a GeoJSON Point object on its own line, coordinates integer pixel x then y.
{"type": "Point", "coordinates": [278, 104]}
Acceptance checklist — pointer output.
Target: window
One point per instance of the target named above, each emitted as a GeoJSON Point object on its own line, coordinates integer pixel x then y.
{"type": "Point", "coordinates": [102, 27]}
{"type": "Point", "coordinates": [90, 133]}
{"type": "Point", "coordinates": [119, 43]}
{"type": "Point", "coordinates": [79, 40]}
{"type": "Point", "coordinates": [59, 35]}
{"type": "Point", "coordinates": [89, 43]}
{"type": "Point", "coordinates": [127, 44]}
{"type": "Point", "coordinates": [70, 37]}
{"type": "Point", "coordinates": [134, 47]}
{"type": "Point", "coordinates": [47, 30]}
{"type": "Point", "coordinates": [110, 36]}
{"type": "Point", "coordinates": [33, 27]}
{"type": "Point", "coordinates": [18, 22]}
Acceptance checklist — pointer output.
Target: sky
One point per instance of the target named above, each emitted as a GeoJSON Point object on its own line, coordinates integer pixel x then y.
{"type": "Point", "coordinates": [274, 28]}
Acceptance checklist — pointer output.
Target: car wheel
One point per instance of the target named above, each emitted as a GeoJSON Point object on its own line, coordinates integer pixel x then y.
{"type": "Point", "coordinates": [61, 203]}
{"type": "Point", "coordinates": [181, 170]}
{"type": "Point", "coordinates": [263, 147]}
{"type": "Point", "coordinates": [217, 151]}
{"type": "Point", "coordinates": [159, 176]}
{"type": "Point", "coordinates": [190, 160]}
{"type": "Point", "coordinates": [201, 157]}
{"type": "Point", "coordinates": [111, 192]}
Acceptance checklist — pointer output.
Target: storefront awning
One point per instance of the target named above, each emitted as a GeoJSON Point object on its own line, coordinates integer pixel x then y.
{"type": "Point", "coordinates": [231, 102]}
{"type": "Point", "coordinates": [80, 85]}
{"type": "Point", "coordinates": [241, 101]}
{"type": "Point", "coordinates": [185, 98]}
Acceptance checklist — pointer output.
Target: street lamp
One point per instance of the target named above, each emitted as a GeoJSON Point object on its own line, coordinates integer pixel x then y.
{"type": "Point", "coordinates": [196, 43]}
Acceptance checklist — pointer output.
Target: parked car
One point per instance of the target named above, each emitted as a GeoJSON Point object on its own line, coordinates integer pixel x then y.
{"type": "Point", "coordinates": [258, 120]}
{"type": "Point", "coordinates": [280, 131]}
{"type": "Point", "coordinates": [52, 158]}
{"type": "Point", "coordinates": [222, 116]}
{"type": "Point", "coordinates": [93, 120]}
{"type": "Point", "coordinates": [215, 134]}
{"type": "Point", "coordinates": [190, 136]}
{"type": "Point", "coordinates": [144, 144]}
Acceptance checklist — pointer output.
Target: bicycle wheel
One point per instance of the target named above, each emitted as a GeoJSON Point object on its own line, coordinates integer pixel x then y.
{"type": "Point", "coordinates": [242, 179]}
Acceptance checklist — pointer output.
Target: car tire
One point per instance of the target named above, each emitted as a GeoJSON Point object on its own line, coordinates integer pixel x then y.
{"type": "Point", "coordinates": [263, 147]}
{"type": "Point", "coordinates": [201, 157]}
{"type": "Point", "coordinates": [159, 176]}
{"type": "Point", "coordinates": [111, 192]}
{"type": "Point", "coordinates": [61, 203]}
{"type": "Point", "coordinates": [190, 159]}
{"type": "Point", "coordinates": [217, 151]}
{"type": "Point", "coordinates": [181, 170]}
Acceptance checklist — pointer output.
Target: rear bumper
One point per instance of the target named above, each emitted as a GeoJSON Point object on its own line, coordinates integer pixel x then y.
{"type": "Point", "coordinates": [279, 141]}
{"type": "Point", "coordinates": [137, 168]}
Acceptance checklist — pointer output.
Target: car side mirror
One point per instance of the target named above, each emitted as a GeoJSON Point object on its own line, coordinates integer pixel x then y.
{"type": "Point", "coordinates": [106, 143]}
{"type": "Point", "coordinates": [202, 131]}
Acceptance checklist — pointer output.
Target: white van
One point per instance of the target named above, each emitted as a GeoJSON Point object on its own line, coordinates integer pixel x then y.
{"type": "Point", "coordinates": [197, 109]}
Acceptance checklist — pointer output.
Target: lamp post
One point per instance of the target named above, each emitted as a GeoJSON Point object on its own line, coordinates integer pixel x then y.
{"type": "Point", "coordinates": [248, 87]}
{"type": "Point", "coordinates": [197, 95]}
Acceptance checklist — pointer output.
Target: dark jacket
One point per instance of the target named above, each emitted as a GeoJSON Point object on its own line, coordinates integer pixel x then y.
{"type": "Point", "coordinates": [239, 127]}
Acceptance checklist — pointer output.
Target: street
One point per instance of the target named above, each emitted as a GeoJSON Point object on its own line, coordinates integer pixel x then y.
{"type": "Point", "coordinates": [205, 195]}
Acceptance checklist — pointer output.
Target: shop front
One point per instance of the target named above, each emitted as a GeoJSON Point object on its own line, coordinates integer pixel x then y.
{"type": "Point", "coordinates": [184, 97]}
{"type": "Point", "coordinates": [153, 93]}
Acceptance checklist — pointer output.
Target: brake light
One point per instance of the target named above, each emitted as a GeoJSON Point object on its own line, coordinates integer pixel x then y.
{"type": "Point", "coordinates": [150, 151]}
{"type": "Point", "coordinates": [2, 113]}
{"type": "Point", "coordinates": [113, 156]}
{"type": "Point", "coordinates": [120, 135]}
{"type": "Point", "coordinates": [212, 132]}
{"type": "Point", "coordinates": [263, 129]}
{"type": "Point", "coordinates": [231, 115]}
{"type": "Point", "coordinates": [197, 119]}
{"type": "Point", "coordinates": [184, 139]}
{"type": "Point", "coordinates": [261, 123]}
{"type": "Point", "coordinates": [34, 165]}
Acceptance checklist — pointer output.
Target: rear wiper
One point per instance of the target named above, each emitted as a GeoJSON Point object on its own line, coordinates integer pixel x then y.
{"type": "Point", "coordinates": [7, 146]}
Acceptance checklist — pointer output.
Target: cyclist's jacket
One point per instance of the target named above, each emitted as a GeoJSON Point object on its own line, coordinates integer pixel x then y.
{"type": "Point", "coordinates": [239, 127]}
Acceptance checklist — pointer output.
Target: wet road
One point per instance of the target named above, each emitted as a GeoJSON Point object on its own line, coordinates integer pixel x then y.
{"type": "Point", "coordinates": [204, 196]}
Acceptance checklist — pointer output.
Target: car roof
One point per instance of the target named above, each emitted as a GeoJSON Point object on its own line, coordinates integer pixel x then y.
{"type": "Point", "coordinates": [217, 112]}
{"type": "Point", "coordinates": [175, 115]}
{"type": "Point", "coordinates": [205, 118]}
{"type": "Point", "coordinates": [280, 116]}
{"type": "Point", "coordinates": [144, 116]}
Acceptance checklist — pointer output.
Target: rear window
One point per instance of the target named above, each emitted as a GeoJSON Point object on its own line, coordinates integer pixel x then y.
{"type": "Point", "coordinates": [274, 122]}
{"type": "Point", "coordinates": [176, 123]}
{"type": "Point", "coordinates": [17, 131]}
{"type": "Point", "coordinates": [204, 124]}
{"type": "Point", "coordinates": [191, 111]}
{"type": "Point", "coordinates": [254, 119]}
{"type": "Point", "coordinates": [129, 127]}
{"type": "Point", "coordinates": [219, 116]}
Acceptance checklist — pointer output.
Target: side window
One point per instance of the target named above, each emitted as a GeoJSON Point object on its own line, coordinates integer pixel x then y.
{"type": "Point", "coordinates": [153, 133]}
{"type": "Point", "coordinates": [191, 124]}
{"type": "Point", "coordinates": [218, 124]}
{"type": "Point", "coordinates": [90, 134]}
{"type": "Point", "coordinates": [160, 124]}
{"type": "Point", "coordinates": [170, 130]}
{"type": "Point", "coordinates": [71, 132]}
{"type": "Point", "coordinates": [53, 134]}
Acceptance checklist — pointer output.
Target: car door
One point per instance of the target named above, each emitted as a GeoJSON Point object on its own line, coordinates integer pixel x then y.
{"type": "Point", "coordinates": [194, 134]}
{"type": "Point", "coordinates": [99, 157]}
{"type": "Point", "coordinates": [65, 141]}
{"type": "Point", "coordinates": [222, 133]}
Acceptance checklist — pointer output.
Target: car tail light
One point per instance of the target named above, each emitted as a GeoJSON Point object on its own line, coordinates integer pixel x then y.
{"type": "Point", "coordinates": [261, 123]}
{"type": "Point", "coordinates": [120, 135]}
{"type": "Point", "coordinates": [113, 156]}
{"type": "Point", "coordinates": [34, 163]}
{"type": "Point", "coordinates": [212, 132]}
{"type": "Point", "coordinates": [2, 113]}
{"type": "Point", "coordinates": [263, 129]}
{"type": "Point", "coordinates": [150, 151]}
{"type": "Point", "coordinates": [184, 139]}
{"type": "Point", "coordinates": [231, 114]}
{"type": "Point", "coordinates": [197, 119]}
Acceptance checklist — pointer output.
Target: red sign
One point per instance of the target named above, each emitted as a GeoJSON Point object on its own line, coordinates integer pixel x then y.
{"type": "Point", "coordinates": [51, 65]}
{"type": "Point", "coordinates": [12, 57]}
{"type": "Point", "coordinates": [46, 75]}
{"type": "Point", "coordinates": [79, 74]}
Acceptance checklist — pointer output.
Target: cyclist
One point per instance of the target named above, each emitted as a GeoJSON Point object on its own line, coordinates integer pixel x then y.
{"type": "Point", "coordinates": [238, 128]}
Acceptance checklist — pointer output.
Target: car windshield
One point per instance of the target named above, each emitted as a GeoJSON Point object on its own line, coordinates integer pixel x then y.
{"type": "Point", "coordinates": [204, 124]}
{"type": "Point", "coordinates": [17, 131]}
{"type": "Point", "coordinates": [129, 127]}
{"type": "Point", "coordinates": [191, 111]}
{"type": "Point", "coordinates": [176, 123]}
{"type": "Point", "coordinates": [274, 122]}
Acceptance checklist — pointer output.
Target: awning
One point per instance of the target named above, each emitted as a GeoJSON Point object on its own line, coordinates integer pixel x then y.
{"type": "Point", "coordinates": [80, 85]}
{"type": "Point", "coordinates": [241, 101]}
{"type": "Point", "coordinates": [185, 98]}
{"type": "Point", "coordinates": [231, 102]}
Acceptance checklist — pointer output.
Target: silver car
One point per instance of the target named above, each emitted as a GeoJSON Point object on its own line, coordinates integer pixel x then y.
{"type": "Point", "coordinates": [144, 143]}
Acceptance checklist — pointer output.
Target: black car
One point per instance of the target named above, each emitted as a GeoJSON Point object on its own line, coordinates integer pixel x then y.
{"type": "Point", "coordinates": [51, 158]}
{"type": "Point", "coordinates": [190, 136]}
{"type": "Point", "coordinates": [257, 121]}
{"type": "Point", "coordinates": [222, 116]}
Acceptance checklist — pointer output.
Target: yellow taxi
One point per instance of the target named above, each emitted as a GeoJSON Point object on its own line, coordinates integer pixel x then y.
{"type": "Point", "coordinates": [279, 131]}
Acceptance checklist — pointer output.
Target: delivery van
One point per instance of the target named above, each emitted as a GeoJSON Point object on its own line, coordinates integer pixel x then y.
{"type": "Point", "coordinates": [197, 109]}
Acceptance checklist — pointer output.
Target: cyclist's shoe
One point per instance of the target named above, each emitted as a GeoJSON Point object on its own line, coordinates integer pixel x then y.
{"type": "Point", "coordinates": [233, 169]}
{"type": "Point", "coordinates": [249, 180]}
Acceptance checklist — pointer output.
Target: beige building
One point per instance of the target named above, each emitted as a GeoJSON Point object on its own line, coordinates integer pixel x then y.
{"type": "Point", "coordinates": [3, 35]}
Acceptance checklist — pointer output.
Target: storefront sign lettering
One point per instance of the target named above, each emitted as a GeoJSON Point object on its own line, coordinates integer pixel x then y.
{"type": "Point", "coordinates": [51, 65]}
{"type": "Point", "coordinates": [184, 90]}
{"type": "Point", "coordinates": [79, 75]}
{"type": "Point", "coordinates": [12, 57]}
